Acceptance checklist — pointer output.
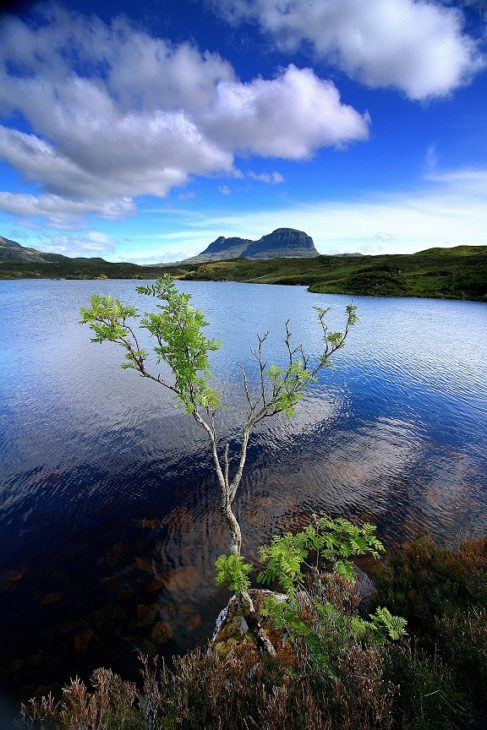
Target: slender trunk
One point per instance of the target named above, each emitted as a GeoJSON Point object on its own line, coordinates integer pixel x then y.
{"type": "Point", "coordinates": [228, 489]}
{"type": "Point", "coordinates": [233, 526]}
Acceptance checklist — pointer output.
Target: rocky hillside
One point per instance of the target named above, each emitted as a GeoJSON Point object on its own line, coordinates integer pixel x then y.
{"type": "Point", "coordinates": [281, 243]}
{"type": "Point", "coordinates": [13, 251]}
{"type": "Point", "coordinates": [222, 248]}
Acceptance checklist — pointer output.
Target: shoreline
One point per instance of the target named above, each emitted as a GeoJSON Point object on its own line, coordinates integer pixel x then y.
{"type": "Point", "coordinates": [458, 274]}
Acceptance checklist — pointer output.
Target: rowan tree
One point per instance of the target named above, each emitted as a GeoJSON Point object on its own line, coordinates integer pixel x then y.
{"type": "Point", "coordinates": [177, 333]}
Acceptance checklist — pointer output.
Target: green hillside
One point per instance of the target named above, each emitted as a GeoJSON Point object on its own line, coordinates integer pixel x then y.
{"type": "Point", "coordinates": [454, 273]}
{"type": "Point", "coordinates": [457, 273]}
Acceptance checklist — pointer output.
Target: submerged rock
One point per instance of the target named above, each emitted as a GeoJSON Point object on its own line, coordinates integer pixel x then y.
{"type": "Point", "coordinates": [161, 633]}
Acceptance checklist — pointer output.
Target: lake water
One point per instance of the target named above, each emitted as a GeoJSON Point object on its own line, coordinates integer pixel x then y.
{"type": "Point", "coordinates": [109, 521]}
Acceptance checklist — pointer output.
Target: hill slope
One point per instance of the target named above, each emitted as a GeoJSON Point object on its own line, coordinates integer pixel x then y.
{"type": "Point", "coordinates": [12, 251]}
{"type": "Point", "coordinates": [455, 273]}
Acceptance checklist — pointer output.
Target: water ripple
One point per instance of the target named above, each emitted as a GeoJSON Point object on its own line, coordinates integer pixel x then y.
{"type": "Point", "coordinates": [108, 504]}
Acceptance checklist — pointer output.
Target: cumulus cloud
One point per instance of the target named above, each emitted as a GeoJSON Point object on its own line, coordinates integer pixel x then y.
{"type": "Point", "coordinates": [116, 113]}
{"type": "Point", "coordinates": [417, 46]}
{"type": "Point", "coordinates": [250, 117]}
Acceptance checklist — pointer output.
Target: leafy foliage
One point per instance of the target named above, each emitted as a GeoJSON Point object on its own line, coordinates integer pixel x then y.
{"type": "Point", "coordinates": [309, 614]}
{"type": "Point", "coordinates": [177, 329]}
{"type": "Point", "coordinates": [283, 560]}
{"type": "Point", "coordinates": [328, 543]}
{"type": "Point", "coordinates": [388, 626]}
{"type": "Point", "coordinates": [233, 571]}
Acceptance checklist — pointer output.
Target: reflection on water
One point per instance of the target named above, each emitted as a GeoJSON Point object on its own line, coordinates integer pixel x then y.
{"type": "Point", "coordinates": [108, 509]}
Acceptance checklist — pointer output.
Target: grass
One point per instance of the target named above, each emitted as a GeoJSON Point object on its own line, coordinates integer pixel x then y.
{"type": "Point", "coordinates": [446, 273]}
{"type": "Point", "coordinates": [450, 273]}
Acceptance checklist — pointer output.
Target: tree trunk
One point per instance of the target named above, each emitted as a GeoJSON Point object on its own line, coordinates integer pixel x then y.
{"type": "Point", "coordinates": [233, 526]}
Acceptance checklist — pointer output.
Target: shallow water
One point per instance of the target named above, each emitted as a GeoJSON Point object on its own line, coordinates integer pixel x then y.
{"type": "Point", "coordinates": [109, 518]}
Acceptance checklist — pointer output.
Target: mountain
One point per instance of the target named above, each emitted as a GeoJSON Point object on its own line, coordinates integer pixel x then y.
{"type": "Point", "coordinates": [17, 261]}
{"type": "Point", "coordinates": [281, 243]}
{"type": "Point", "coordinates": [11, 251]}
{"type": "Point", "coordinates": [221, 248]}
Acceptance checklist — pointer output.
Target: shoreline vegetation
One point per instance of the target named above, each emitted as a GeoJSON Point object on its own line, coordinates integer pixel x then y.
{"type": "Point", "coordinates": [331, 666]}
{"type": "Point", "coordinates": [446, 273]}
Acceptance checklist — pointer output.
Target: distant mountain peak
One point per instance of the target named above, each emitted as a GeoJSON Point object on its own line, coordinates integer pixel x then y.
{"type": "Point", "coordinates": [281, 243]}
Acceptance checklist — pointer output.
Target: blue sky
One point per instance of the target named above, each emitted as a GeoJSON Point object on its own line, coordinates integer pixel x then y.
{"type": "Point", "coordinates": [142, 131]}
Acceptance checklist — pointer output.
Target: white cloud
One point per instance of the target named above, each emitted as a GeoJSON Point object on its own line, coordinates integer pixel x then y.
{"type": "Point", "coordinates": [249, 117]}
{"type": "Point", "coordinates": [472, 181]}
{"type": "Point", "coordinates": [224, 189]}
{"type": "Point", "coordinates": [447, 210]}
{"type": "Point", "coordinates": [63, 212]}
{"type": "Point", "coordinates": [91, 243]}
{"type": "Point", "coordinates": [269, 178]}
{"type": "Point", "coordinates": [417, 46]}
{"type": "Point", "coordinates": [116, 114]}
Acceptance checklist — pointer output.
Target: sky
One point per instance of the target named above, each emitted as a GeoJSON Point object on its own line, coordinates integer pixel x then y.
{"type": "Point", "coordinates": [143, 130]}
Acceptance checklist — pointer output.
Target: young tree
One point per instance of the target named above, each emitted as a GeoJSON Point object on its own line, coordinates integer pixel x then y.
{"type": "Point", "coordinates": [177, 332]}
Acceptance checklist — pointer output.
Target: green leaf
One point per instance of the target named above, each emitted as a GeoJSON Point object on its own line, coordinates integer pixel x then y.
{"type": "Point", "coordinates": [233, 571]}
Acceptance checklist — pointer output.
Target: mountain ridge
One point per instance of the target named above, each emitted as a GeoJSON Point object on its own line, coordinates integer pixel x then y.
{"type": "Point", "coordinates": [281, 243]}
{"type": "Point", "coordinates": [12, 251]}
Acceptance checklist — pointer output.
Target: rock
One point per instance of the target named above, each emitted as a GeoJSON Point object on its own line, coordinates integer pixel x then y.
{"type": "Point", "coordinates": [161, 633]}
{"type": "Point", "coordinates": [148, 523]}
{"type": "Point", "coordinates": [233, 630]}
{"type": "Point", "coordinates": [146, 614]}
{"type": "Point", "coordinates": [181, 579]}
{"type": "Point", "coordinates": [50, 599]}
{"type": "Point", "coordinates": [10, 579]}
{"type": "Point", "coordinates": [222, 248]}
{"type": "Point", "coordinates": [144, 565]}
{"type": "Point", "coordinates": [83, 640]}
{"type": "Point", "coordinates": [365, 586]}
{"type": "Point", "coordinates": [194, 622]}
{"type": "Point", "coordinates": [189, 613]}
{"type": "Point", "coordinates": [147, 648]}
{"type": "Point", "coordinates": [115, 554]}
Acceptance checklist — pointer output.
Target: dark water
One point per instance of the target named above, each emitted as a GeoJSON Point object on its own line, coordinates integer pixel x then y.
{"type": "Point", "coordinates": [109, 520]}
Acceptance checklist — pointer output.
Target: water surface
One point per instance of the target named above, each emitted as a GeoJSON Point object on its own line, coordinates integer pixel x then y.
{"type": "Point", "coordinates": [109, 517]}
